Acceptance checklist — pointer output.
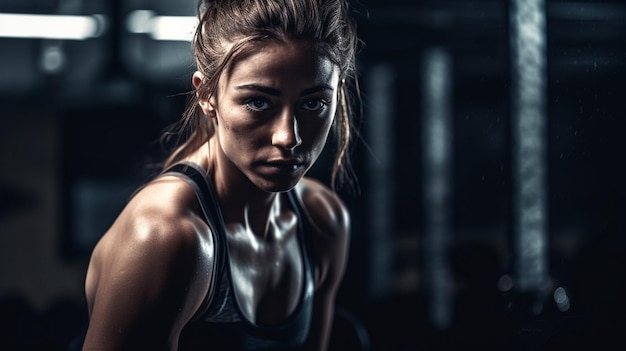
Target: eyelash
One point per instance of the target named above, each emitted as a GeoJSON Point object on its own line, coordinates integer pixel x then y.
{"type": "Point", "coordinates": [247, 104]}
{"type": "Point", "coordinates": [253, 100]}
{"type": "Point", "coordinates": [322, 104]}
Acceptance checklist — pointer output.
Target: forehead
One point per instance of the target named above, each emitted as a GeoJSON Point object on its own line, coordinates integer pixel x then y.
{"type": "Point", "coordinates": [274, 61]}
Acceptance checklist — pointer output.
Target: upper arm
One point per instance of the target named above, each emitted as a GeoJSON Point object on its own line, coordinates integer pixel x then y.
{"type": "Point", "coordinates": [150, 275]}
{"type": "Point", "coordinates": [330, 222]}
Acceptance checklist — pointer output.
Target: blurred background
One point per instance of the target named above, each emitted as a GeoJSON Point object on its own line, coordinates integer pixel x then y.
{"type": "Point", "coordinates": [490, 210]}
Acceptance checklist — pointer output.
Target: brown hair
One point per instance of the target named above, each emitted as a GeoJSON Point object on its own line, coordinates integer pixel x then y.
{"type": "Point", "coordinates": [228, 26]}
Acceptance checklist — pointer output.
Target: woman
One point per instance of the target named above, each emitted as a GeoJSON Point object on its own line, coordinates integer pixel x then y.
{"type": "Point", "coordinates": [231, 246]}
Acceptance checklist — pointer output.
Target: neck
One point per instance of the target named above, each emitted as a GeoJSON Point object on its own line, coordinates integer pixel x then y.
{"type": "Point", "coordinates": [257, 215]}
{"type": "Point", "coordinates": [241, 202]}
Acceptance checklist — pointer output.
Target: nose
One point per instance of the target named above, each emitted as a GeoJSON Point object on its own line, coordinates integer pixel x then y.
{"type": "Point", "coordinates": [286, 135]}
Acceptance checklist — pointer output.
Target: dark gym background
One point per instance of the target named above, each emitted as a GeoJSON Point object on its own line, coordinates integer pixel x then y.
{"type": "Point", "coordinates": [491, 203]}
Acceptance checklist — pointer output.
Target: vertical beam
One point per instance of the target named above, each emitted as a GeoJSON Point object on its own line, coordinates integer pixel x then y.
{"type": "Point", "coordinates": [528, 42]}
{"type": "Point", "coordinates": [437, 141]}
{"type": "Point", "coordinates": [380, 86]}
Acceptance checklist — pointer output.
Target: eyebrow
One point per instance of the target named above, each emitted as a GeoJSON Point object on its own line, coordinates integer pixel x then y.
{"type": "Point", "coordinates": [276, 92]}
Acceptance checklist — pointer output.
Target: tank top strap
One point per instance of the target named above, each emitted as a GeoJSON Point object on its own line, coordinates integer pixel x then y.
{"type": "Point", "coordinates": [196, 178]}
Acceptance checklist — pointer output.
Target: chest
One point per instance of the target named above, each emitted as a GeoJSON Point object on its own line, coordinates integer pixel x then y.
{"type": "Point", "coordinates": [267, 273]}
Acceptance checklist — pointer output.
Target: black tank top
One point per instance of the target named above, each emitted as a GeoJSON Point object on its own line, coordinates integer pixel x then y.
{"type": "Point", "coordinates": [224, 326]}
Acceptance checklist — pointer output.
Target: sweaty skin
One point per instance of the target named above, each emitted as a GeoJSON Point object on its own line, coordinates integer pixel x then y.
{"type": "Point", "coordinates": [152, 271]}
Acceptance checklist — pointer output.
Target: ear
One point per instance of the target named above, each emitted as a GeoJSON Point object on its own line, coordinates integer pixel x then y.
{"type": "Point", "coordinates": [207, 106]}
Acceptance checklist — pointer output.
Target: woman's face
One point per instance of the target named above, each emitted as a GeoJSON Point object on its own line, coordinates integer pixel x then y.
{"type": "Point", "coordinates": [274, 110]}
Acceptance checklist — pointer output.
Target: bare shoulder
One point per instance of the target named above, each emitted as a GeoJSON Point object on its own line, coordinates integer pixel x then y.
{"type": "Point", "coordinates": [162, 216]}
{"type": "Point", "coordinates": [330, 222]}
{"type": "Point", "coordinates": [158, 246]}
{"type": "Point", "coordinates": [326, 210]}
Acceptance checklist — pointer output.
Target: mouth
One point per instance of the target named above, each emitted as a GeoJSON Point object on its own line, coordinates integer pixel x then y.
{"type": "Point", "coordinates": [282, 166]}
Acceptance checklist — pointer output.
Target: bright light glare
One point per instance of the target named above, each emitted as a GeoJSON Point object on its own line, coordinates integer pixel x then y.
{"type": "Point", "coordinates": [175, 28]}
{"type": "Point", "coordinates": [14, 25]}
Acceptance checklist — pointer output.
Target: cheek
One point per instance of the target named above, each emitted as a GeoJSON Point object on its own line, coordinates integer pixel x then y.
{"type": "Point", "coordinates": [238, 136]}
{"type": "Point", "coordinates": [234, 137]}
{"type": "Point", "coordinates": [317, 134]}
{"type": "Point", "coordinates": [230, 124]}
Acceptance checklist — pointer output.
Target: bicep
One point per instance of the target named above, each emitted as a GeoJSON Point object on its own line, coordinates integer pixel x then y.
{"type": "Point", "coordinates": [146, 290]}
{"type": "Point", "coordinates": [330, 223]}
{"type": "Point", "coordinates": [331, 267]}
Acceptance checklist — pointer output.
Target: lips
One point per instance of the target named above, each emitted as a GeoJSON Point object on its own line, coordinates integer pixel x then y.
{"type": "Point", "coordinates": [282, 166]}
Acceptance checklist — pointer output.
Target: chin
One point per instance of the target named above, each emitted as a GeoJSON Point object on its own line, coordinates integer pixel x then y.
{"type": "Point", "coordinates": [277, 186]}
{"type": "Point", "coordinates": [276, 182]}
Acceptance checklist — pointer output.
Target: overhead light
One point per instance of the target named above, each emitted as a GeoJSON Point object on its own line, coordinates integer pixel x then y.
{"type": "Point", "coordinates": [64, 27]}
{"type": "Point", "coordinates": [174, 28]}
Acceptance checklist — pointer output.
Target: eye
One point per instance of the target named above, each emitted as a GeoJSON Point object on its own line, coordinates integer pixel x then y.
{"type": "Point", "coordinates": [314, 104]}
{"type": "Point", "coordinates": [257, 104]}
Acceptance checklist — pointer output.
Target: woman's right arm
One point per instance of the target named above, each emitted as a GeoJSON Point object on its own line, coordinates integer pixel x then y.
{"type": "Point", "coordinates": [146, 279]}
